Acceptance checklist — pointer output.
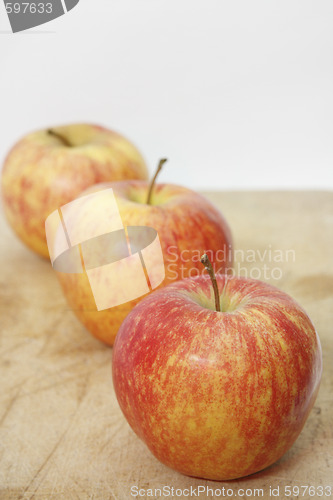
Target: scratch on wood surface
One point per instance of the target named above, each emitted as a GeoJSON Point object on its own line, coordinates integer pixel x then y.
{"type": "Point", "coordinates": [64, 381]}
{"type": "Point", "coordinates": [52, 332]}
{"type": "Point", "coordinates": [45, 462]}
{"type": "Point", "coordinates": [11, 403]}
{"type": "Point", "coordinates": [13, 348]}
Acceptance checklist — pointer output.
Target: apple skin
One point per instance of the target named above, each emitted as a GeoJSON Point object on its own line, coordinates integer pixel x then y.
{"type": "Point", "coordinates": [217, 395]}
{"type": "Point", "coordinates": [41, 174]}
{"type": "Point", "coordinates": [182, 218]}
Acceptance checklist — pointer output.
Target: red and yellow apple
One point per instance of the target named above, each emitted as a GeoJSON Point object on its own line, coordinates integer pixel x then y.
{"type": "Point", "coordinates": [183, 220]}
{"type": "Point", "coordinates": [51, 167]}
{"type": "Point", "coordinates": [217, 395]}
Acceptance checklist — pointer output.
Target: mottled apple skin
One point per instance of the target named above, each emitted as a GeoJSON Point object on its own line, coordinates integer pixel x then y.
{"type": "Point", "coordinates": [183, 220]}
{"type": "Point", "coordinates": [41, 174]}
{"type": "Point", "coordinates": [217, 395]}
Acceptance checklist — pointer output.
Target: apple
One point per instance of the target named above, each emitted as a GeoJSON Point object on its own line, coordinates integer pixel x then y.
{"type": "Point", "coordinates": [50, 167]}
{"type": "Point", "coordinates": [217, 394]}
{"type": "Point", "coordinates": [183, 220]}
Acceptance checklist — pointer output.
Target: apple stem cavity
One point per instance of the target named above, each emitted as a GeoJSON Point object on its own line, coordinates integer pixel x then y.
{"type": "Point", "coordinates": [209, 268]}
{"type": "Point", "coordinates": [152, 184]}
{"type": "Point", "coordinates": [59, 137]}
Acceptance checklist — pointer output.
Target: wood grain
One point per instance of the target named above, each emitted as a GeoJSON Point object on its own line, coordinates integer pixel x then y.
{"type": "Point", "coordinates": [62, 434]}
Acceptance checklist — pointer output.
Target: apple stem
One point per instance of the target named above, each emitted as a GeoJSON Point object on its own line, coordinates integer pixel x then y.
{"type": "Point", "coordinates": [209, 268]}
{"type": "Point", "coordinates": [152, 184]}
{"type": "Point", "coordinates": [60, 137]}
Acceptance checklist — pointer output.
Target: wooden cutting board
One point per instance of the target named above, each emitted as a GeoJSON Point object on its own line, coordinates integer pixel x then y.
{"type": "Point", "coordinates": [62, 434]}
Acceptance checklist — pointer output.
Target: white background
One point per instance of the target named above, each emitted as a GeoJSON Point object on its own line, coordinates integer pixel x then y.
{"type": "Point", "coordinates": [237, 94]}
